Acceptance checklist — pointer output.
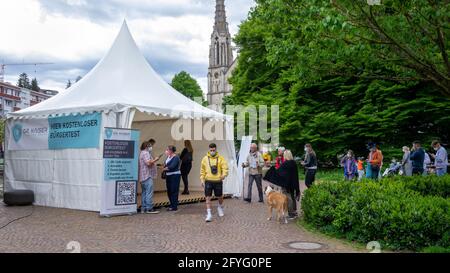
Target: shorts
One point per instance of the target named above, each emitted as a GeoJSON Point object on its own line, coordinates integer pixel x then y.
{"type": "Point", "coordinates": [216, 187]}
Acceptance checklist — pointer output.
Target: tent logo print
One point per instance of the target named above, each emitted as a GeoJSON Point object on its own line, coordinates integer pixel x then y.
{"type": "Point", "coordinates": [109, 133]}
{"type": "Point", "coordinates": [17, 132]}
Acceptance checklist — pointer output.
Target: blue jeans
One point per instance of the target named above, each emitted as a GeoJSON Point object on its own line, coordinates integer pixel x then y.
{"type": "Point", "coordinates": [147, 195]}
{"type": "Point", "coordinates": [173, 189]}
{"type": "Point", "coordinates": [441, 172]}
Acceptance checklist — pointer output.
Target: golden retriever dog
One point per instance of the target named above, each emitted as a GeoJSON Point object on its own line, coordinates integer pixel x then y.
{"type": "Point", "coordinates": [277, 201]}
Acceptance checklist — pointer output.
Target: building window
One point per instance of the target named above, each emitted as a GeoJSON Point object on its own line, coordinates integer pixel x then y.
{"type": "Point", "coordinates": [218, 54]}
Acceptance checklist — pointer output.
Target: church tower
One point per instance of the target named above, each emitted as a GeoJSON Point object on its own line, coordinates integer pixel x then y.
{"type": "Point", "coordinates": [220, 59]}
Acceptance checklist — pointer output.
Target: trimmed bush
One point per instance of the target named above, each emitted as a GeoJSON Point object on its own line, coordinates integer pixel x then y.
{"type": "Point", "coordinates": [429, 185]}
{"type": "Point", "coordinates": [390, 212]}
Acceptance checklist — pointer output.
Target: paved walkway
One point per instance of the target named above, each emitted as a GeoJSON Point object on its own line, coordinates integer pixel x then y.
{"type": "Point", "coordinates": [244, 229]}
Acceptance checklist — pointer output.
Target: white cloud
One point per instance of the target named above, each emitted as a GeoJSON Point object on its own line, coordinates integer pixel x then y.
{"type": "Point", "coordinates": [174, 34]}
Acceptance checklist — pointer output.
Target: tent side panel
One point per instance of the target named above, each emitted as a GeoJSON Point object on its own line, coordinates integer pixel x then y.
{"type": "Point", "coordinates": [29, 170]}
{"type": "Point", "coordinates": [69, 178]}
{"type": "Point", "coordinates": [77, 179]}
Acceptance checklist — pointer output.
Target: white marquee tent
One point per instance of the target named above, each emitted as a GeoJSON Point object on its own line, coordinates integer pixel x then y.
{"type": "Point", "coordinates": [128, 93]}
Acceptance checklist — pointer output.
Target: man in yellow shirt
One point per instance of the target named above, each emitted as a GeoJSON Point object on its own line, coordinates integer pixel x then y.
{"type": "Point", "coordinates": [213, 171]}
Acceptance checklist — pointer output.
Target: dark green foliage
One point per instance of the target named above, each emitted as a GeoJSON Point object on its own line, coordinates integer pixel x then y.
{"type": "Point", "coordinates": [336, 87]}
{"type": "Point", "coordinates": [35, 85]}
{"type": "Point", "coordinates": [390, 212]}
{"type": "Point", "coordinates": [429, 185]}
{"type": "Point", "coordinates": [186, 85]}
{"type": "Point", "coordinates": [24, 81]}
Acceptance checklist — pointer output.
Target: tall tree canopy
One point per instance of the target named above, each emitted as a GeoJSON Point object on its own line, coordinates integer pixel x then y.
{"type": "Point", "coordinates": [24, 81]}
{"type": "Point", "coordinates": [345, 73]}
{"type": "Point", "coordinates": [184, 83]}
{"type": "Point", "coordinates": [35, 85]}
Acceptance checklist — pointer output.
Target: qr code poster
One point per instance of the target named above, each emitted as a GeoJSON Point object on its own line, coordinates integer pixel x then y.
{"type": "Point", "coordinates": [126, 193]}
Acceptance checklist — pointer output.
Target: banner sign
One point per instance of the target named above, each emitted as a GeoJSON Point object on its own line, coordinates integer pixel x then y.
{"type": "Point", "coordinates": [120, 158]}
{"type": "Point", "coordinates": [54, 133]}
{"type": "Point", "coordinates": [243, 154]}
{"type": "Point", "coordinates": [74, 132]}
{"type": "Point", "coordinates": [28, 134]}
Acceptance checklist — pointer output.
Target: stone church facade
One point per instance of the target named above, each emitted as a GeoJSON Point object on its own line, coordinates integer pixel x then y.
{"type": "Point", "coordinates": [221, 60]}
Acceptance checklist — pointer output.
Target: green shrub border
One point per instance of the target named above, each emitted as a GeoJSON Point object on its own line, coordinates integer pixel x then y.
{"type": "Point", "coordinates": [406, 213]}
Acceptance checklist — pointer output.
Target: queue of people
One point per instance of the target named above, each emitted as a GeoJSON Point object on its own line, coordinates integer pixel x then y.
{"type": "Point", "coordinates": [415, 161]}
{"type": "Point", "coordinates": [282, 172]}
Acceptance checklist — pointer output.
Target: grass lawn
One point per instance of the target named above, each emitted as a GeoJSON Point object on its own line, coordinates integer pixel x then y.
{"type": "Point", "coordinates": [326, 175]}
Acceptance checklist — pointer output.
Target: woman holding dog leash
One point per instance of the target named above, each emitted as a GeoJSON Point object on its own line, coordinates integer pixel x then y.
{"type": "Point", "coordinates": [287, 178]}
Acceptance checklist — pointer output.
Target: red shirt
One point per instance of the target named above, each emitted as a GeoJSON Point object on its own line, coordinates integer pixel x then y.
{"type": "Point", "coordinates": [279, 161]}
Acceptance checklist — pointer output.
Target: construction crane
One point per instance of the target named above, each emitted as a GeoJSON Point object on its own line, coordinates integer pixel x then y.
{"type": "Point", "coordinates": [3, 66]}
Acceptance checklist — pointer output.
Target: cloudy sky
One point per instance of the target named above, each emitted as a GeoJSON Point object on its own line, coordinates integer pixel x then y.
{"type": "Point", "coordinates": [74, 35]}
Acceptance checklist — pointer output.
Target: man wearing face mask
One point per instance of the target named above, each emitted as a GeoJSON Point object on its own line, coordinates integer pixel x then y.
{"type": "Point", "coordinates": [147, 175]}
{"type": "Point", "coordinates": [440, 159]}
{"type": "Point", "coordinates": [255, 163]}
{"type": "Point", "coordinates": [213, 171]}
{"type": "Point", "coordinates": [151, 143]}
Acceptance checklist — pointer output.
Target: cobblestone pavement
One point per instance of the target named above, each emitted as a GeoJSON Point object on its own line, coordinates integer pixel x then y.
{"type": "Point", "coordinates": [244, 229]}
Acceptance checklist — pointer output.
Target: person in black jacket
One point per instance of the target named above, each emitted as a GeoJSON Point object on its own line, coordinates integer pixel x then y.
{"type": "Point", "coordinates": [310, 165]}
{"type": "Point", "coordinates": [186, 164]}
{"type": "Point", "coordinates": [417, 157]}
{"type": "Point", "coordinates": [173, 177]}
{"type": "Point", "coordinates": [287, 178]}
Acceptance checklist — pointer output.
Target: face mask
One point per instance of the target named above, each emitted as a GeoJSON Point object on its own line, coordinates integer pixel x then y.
{"type": "Point", "coordinates": [349, 155]}
{"type": "Point", "coordinates": [150, 149]}
{"type": "Point", "coordinates": [436, 149]}
{"type": "Point", "coordinates": [212, 153]}
{"type": "Point", "coordinates": [306, 150]}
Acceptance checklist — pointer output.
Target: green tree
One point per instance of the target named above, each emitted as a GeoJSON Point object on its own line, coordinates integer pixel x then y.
{"type": "Point", "coordinates": [187, 85]}
{"type": "Point", "coordinates": [398, 41]}
{"type": "Point", "coordinates": [337, 87]}
{"type": "Point", "coordinates": [24, 81]}
{"type": "Point", "coordinates": [35, 85]}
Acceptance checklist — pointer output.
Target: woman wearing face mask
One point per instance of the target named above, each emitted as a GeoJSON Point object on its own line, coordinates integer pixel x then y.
{"type": "Point", "coordinates": [350, 166]}
{"type": "Point", "coordinates": [310, 164]}
{"type": "Point", "coordinates": [173, 177]}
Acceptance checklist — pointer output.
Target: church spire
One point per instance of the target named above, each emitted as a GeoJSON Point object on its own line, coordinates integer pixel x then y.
{"type": "Point", "coordinates": [220, 59]}
{"type": "Point", "coordinates": [221, 25]}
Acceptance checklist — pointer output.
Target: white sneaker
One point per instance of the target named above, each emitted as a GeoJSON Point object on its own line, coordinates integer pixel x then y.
{"type": "Point", "coordinates": [220, 212]}
{"type": "Point", "coordinates": [208, 218]}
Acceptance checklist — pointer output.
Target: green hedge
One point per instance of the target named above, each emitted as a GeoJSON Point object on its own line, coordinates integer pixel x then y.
{"type": "Point", "coordinates": [401, 214]}
{"type": "Point", "coordinates": [429, 185]}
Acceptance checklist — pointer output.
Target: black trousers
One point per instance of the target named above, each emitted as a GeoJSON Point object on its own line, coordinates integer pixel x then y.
{"type": "Point", "coordinates": [173, 189]}
{"type": "Point", "coordinates": [418, 171]}
{"type": "Point", "coordinates": [310, 177]}
{"type": "Point", "coordinates": [258, 179]}
{"type": "Point", "coordinates": [185, 170]}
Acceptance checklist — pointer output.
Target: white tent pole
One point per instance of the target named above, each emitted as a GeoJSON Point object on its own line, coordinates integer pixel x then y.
{"type": "Point", "coordinates": [118, 116]}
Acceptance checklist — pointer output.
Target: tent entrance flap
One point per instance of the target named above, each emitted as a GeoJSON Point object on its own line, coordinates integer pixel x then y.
{"type": "Point", "coordinates": [162, 131]}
